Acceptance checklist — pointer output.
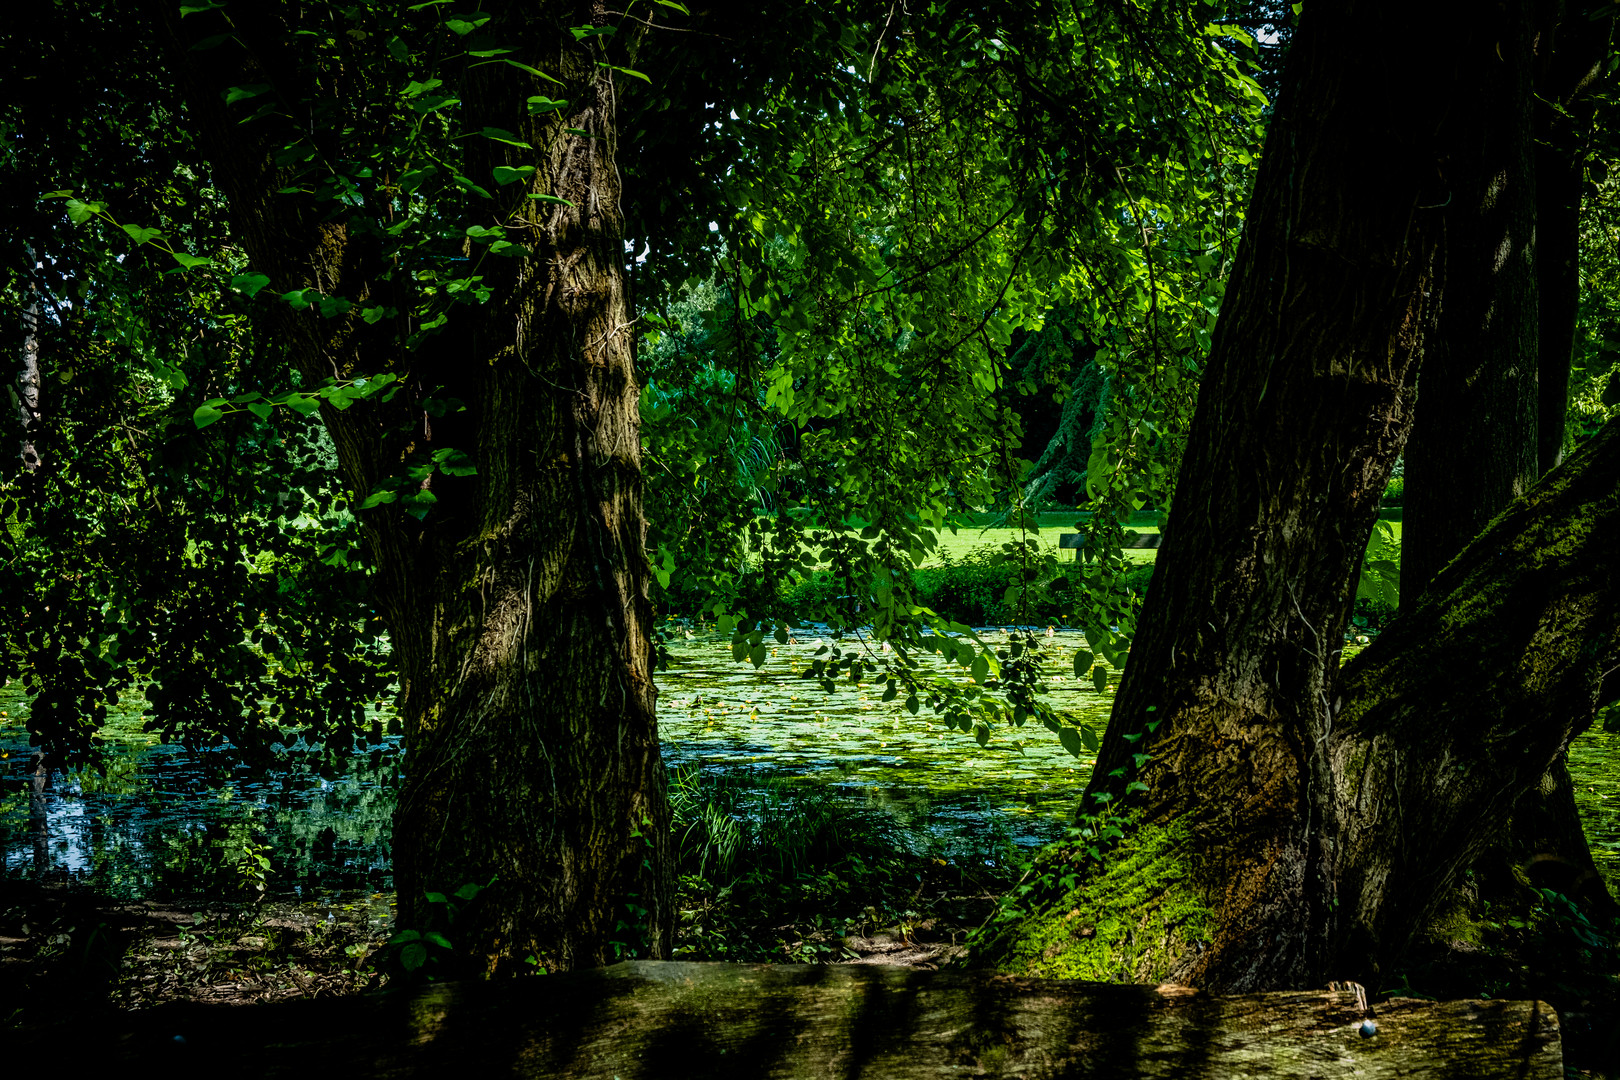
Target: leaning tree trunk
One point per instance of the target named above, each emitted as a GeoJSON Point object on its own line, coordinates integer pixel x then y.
{"type": "Point", "coordinates": [1452, 717]}
{"type": "Point", "coordinates": [517, 606]}
{"type": "Point", "coordinates": [1485, 430]}
{"type": "Point", "coordinates": [1473, 444]}
{"type": "Point", "coordinates": [1218, 747]}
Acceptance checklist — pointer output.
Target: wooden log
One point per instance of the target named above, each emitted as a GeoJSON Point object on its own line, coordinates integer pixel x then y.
{"type": "Point", "coordinates": [655, 1020]}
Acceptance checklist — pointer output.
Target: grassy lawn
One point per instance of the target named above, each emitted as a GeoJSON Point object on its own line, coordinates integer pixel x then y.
{"type": "Point", "coordinates": [974, 537]}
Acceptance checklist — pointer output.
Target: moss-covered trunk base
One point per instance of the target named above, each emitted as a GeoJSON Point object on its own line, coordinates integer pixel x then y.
{"type": "Point", "coordinates": [1136, 915]}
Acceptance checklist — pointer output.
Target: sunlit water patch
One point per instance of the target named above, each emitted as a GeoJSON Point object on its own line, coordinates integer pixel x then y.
{"type": "Point", "coordinates": [721, 715]}
{"type": "Point", "coordinates": [159, 822]}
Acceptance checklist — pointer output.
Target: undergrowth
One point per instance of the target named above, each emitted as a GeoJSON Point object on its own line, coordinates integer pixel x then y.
{"type": "Point", "coordinates": [770, 869]}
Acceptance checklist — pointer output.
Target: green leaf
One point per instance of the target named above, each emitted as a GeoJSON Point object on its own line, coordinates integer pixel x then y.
{"type": "Point", "coordinates": [757, 656]}
{"type": "Point", "coordinates": [416, 89]}
{"type": "Point", "coordinates": [413, 956]}
{"type": "Point", "coordinates": [433, 937]}
{"type": "Point", "coordinates": [463, 27]}
{"type": "Point", "coordinates": [379, 498]}
{"type": "Point", "coordinates": [260, 409]}
{"type": "Point", "coordinates": [243, 93]}
{"type": "Point", "coordinates": [302, 405]}
{"type": "Point", "coordinates": [1088, 738]}
{"type": "Point", "coordinates": [506, 174]}
{"type": "Point", "coordinates": [414, 179]}
{"type": "Point", "coordinates": [403, 936]}
{"type": "Point", "coordinates": [981, 734]}
{"type": "Point", "coordinates": [542, 104]}
{"type": "Point", "coordinates": [207, 413]}
{"type": "Point", "coordinates": [1070, 738]}
{"type": "Point", "coordinates": [1082, 663]}
{"type": "Point", "coordinates": [551, 199]}
{"type": "Point", "coordinates": [454, 462]}
{"type": "Point", "coordinates": [138, 234]}
{"type": "Point", "coordinates": [501, 135]}
{"type": "Point", "coordinates": [79, 211]}
{"type": "Point", "coordinates": [198, 9]}
{"type": "Point", "coordinates": [1099, 679]}
{"type": "Point", "coordinates": [521, 67]}
{"type": "Point", "coordinates": [471, 889]}
{"type": "Point", "coordinates": [467, 185]}
{"type": "Point", "coordinates": [332, 306]}
{"type": "Point", "coordinates": [912, 704]}
{"type": "Point", "coordinates": [673, 4]}
{"type": "Point", "coordinates": [624, 70]}
{"type": "Point", "coordinates": [981, 668]}
{"type": "Point", "coordinates": [190, 262]}
{"type": "Point", "coordinates": [249, 284]}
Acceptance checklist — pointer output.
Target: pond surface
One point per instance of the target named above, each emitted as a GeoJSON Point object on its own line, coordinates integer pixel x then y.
{"type": "Point", "coordinates": [160, 823]}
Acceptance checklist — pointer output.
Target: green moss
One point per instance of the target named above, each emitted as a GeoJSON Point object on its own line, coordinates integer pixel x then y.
{"type": "Point", "coordinates": [1130, 920]}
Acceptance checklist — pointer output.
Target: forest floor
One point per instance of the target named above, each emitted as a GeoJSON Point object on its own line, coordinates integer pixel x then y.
{"type": "Point", "coordinates": [68, 956]}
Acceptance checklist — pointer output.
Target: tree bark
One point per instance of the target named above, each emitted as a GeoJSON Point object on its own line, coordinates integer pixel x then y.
{"type": "Point", "coordinates": [517, 606]}
{"type": "Point", "coordinates": [1245, 764]}
{"type": "Point", "coordinates": [1302, 412]}
{"type": "Point", "coordinates": [1490, 414]}
{"type": "Point", "coordinates": [1455, 714]}
{"type": "Point", "coordinates": [1571, 59]}
{"type": "Point", "coordinates": [1473, 444]}
{"type": "Point", "coordinates": [25, 394]}
{"type": "Point", "coordinates": [660, 1020]}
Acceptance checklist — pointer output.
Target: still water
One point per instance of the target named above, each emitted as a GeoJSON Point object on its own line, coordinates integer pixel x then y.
{"type": "Point", "coordinates": [158, 822]}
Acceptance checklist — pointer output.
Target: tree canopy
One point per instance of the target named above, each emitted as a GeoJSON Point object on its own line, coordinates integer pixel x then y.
{"type": "Point", "coordinates": [510, 329]}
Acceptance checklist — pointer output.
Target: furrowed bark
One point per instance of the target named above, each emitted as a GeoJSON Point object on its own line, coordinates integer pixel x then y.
{"type": "Point", "coordinates": [517, 607]}
{"type": "Point", "coordinates": [1473, 444]}
{"type": "Point", "coordinates": [1458, 709]}
{"type": "Point", "coordinates": [535, 749]}
{"type": "Point", "coordinates": [1304, 407]}
{"type": "Point", "coordinates": [25, 392]}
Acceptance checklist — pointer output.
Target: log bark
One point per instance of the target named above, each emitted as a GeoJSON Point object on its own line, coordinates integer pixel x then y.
{"type": "Point", "coordinates": [517, 607]}
{"type": "Point", "coordinates": [656, 1020]}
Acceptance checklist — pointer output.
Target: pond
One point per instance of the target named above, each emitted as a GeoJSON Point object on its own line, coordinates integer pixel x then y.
{"type": "Point", "coordinates": [160, 823]}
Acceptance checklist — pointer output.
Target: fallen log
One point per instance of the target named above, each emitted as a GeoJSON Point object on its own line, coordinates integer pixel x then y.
{"type": "Point", "coordinates": [646, 1020]}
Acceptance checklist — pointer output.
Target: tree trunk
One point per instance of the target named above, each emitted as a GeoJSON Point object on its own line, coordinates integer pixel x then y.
{"type": "Point", "coordinates": [1302, 412]}
{"type": "Point", "coordinates": [1455, 714]}
{"type": "Point", "coordinates": [25, 394]}
{"type": "Point", "coordinates": [517, 606]}
{"type": "Point", "coordinates": [1572, 56]}
{"type": "Point", "coordinates": [658, 1020]}
{"type": "Point", "coordinates": [1245, 858]}
{"type": "Point", "coordinates": [1473, 444]}
{"type": "Point", "coordinates": [1490, 414]}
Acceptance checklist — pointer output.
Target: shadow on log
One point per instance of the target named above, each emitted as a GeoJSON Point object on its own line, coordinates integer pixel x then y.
{"type": "Point", "coordinates": [649, 1019]}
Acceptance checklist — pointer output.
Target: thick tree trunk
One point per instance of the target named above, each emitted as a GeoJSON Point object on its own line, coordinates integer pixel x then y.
{"type": "Point", "coordinates": [517, 607]}
{"type": "Point", "coordinates": [1454, 715]}
{"type": "Point", "coordinates": [1305, 405]}
{"type": "Point", "coordinates": [657, 1020]}
{"type": "Point", "coordinates": [1490, 413]}
{"type": "Point", "coordinates": [1226, 746]}
{"type": "Point", "coordinates": [1473, 444]}
{"type": "Point", "coordinates": [534, 747]}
